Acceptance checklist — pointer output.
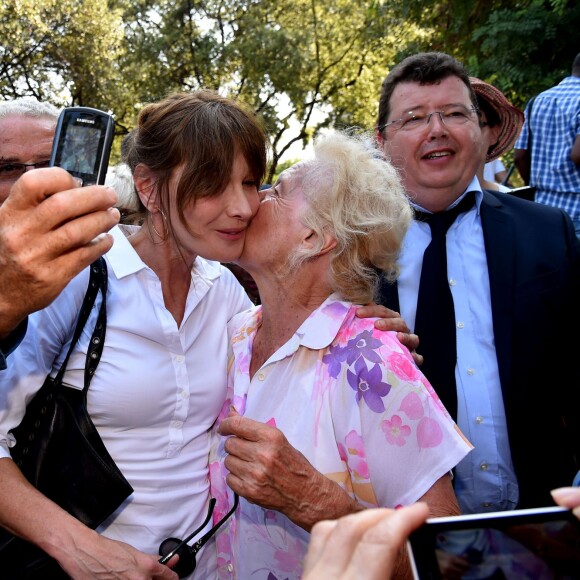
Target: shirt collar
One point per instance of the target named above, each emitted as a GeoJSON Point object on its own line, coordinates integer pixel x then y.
{"type": "Point", "coordinates": [473, 186]}
{"type": "Point", "coordinates": [124, 260]}
{"type": "Point", "coordinates": [122, 257]}
{"type": "Point", "coordinates": [317, 332]}
{"type": "Point", "coordinates": [319, 329]}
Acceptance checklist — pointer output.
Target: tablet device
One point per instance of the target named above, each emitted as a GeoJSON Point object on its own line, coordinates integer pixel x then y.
{"type": "Point", "coordinates": [541, 543]}
{"type": "Point", "coordinates": [526, 192]}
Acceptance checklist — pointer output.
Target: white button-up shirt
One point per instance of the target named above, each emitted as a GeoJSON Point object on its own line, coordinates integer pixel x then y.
{"type": "Point", "coordinates": [481, 414]}
{"type": "Point", "coordinates": [155, 394]}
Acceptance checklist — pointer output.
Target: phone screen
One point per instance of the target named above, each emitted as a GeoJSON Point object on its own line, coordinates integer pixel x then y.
{"type": "Point", "coordinates": [526, 544]}
{"type": "Point", "coordinates": [82, 143]}
{"type": "Point", "coordinates": [80, 149]}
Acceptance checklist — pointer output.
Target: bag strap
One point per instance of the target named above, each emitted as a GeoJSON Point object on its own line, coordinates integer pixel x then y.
{"type": "Point", "coordinates": [97, 282]}
{"type": "Point", "coordinates": [97, 341]}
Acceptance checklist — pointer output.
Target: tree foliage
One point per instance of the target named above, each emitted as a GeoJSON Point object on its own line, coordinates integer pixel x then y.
{"type": "Point", "coordinates": [523, 46]}
{"type": "Point", "coordinates": [65, 51]}
{"type": "Point", "coordinates": [302, 64]}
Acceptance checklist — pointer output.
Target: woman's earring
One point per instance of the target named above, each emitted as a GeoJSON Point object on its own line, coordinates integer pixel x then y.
{"type": "Point", "coordinates": [165, 233]}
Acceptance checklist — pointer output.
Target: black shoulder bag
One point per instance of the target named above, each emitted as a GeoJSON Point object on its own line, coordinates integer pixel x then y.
{"type": "Point", "coordinates": [61, 453]}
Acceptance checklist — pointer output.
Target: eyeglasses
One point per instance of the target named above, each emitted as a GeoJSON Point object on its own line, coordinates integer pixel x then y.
{"type": "Point", "coordinates": [171, 546]}
{"type": "Point", "coordinates": [11, 171]}
{"type": "Point", "coordinates": [451, 116]}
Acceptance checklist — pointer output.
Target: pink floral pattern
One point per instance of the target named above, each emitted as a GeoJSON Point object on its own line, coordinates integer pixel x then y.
{"type": "Point", "coordinates": [395, 432]}
{"type": "Point", "coordinates": [353, 455]}
{"type": "Point", "coordinates": [352, 401]}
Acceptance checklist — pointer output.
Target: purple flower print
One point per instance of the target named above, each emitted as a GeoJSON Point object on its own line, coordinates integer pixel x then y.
{"type": "Point", "coordinates": [334, 359]}
{"type": "Point", "coordinates": [368, 385]}
{"type": "Point", "coordinates": [363, 345]}
{"type": "Point", "coordinates": [395, 431]}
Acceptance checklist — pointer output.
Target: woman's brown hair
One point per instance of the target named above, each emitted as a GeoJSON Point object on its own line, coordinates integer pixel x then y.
{"type": "Point", "coordinates": [202, 132]}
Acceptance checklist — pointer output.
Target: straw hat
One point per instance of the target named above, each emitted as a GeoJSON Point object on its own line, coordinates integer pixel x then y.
{"type": "Point", "coordinates": [511, 118]}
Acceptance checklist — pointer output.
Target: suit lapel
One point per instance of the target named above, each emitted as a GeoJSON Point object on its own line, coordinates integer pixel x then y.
{"type": "Point", "coordinates": [498, 235]}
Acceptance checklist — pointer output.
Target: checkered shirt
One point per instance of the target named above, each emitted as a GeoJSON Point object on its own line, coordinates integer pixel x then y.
{"type": "Point", "coordinates": [555, 124]}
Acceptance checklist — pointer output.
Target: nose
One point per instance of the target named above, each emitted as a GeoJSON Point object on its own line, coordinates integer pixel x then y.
{"type": "Point", "coordinates": [435, 124]}
{"type": "Point", "coordinates": [242, 201]}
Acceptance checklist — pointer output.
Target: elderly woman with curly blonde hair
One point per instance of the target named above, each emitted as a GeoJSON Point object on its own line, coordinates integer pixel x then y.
{"type": "Point", "coordinates": [325, 415]}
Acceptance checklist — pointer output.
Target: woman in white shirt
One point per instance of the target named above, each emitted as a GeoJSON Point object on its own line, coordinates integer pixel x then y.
{"type": "Point", "coordinates": [197, 161]}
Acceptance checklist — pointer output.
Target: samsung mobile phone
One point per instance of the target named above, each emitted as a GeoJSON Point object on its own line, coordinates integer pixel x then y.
{"type": "Point", "coordinates": [540, 544]}
{"type": "Point", "coordinates": [82, 143]}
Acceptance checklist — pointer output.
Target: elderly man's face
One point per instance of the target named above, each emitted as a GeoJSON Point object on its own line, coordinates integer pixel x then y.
{"type": "Point", "coordinates": [436, 161]}
{"type": "Point", "coordinates": [276, 231]}
{"type": "Point", "coordinates": [22, 140]}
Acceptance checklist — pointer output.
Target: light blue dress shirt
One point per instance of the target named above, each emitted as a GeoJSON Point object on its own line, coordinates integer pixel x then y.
{"type": "Point", "coordinates": [485, 480]}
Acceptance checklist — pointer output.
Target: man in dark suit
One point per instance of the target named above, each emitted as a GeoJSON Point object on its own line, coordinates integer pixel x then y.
{"type": "Point", "coordinates": [492, 333]}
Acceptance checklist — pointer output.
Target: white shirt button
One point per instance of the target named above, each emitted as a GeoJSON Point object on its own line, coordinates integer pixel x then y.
{"type": "Point", "coordinates": [452, 282]}
{"type": "Point", "coordinates": [184, 394]}
{"type": "Point", "coordinates": [261, 376]}
{"type": "Point", "coordinates": [479, 419]}
{"type": "Point", "coordinates": [460, 325]}
{"type": "Point", "coordinates": [179, 358]}
{"type": "Point", "coordinates": [483, 467]}
{"type": "Point", "coordinates": [470, 371]}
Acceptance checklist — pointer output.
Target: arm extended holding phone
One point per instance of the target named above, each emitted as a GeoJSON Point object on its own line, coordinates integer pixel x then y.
{"type": "Point", "coordinates": [50, 229]}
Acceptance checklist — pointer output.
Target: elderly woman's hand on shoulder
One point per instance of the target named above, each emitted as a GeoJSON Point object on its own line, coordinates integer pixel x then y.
{"type": "Point", "coordinates": [392, 321]}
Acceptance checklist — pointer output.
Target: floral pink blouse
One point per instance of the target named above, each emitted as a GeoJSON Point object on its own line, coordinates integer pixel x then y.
{"type": "Point", "coordinates": [351, 399]}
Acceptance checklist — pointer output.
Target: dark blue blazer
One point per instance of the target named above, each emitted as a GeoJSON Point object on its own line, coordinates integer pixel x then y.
{"type": "Point", "coordinates": [533, 258]}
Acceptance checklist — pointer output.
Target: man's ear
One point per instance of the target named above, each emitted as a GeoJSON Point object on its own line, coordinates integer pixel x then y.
{"type": "Point", "coordinates": [145, 181]}
{"type": "Point", "coordinates": [312, 238]}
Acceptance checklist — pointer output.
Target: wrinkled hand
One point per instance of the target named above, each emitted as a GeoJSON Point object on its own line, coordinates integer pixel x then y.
{"type": "Point", "coordinates": [361, 546]}
{"type": "Point", "coordinates": [100, 558]}
{"type": "Point", "coordinates": [390, 320]}
{"type": "Point", "coordinates": [50, 230]}
{"type": "Point", "coordinates": [266, 470]}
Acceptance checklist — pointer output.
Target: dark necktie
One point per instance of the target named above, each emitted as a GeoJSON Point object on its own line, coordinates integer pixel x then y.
{"type": "Point", "coordinates": [435, 320]}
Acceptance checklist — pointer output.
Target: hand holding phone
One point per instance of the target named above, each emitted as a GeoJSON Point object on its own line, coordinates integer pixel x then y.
{"type": "Point", "coordinates": [531, 544]}
{"type": "Point", "coordinates": [82, 143]}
